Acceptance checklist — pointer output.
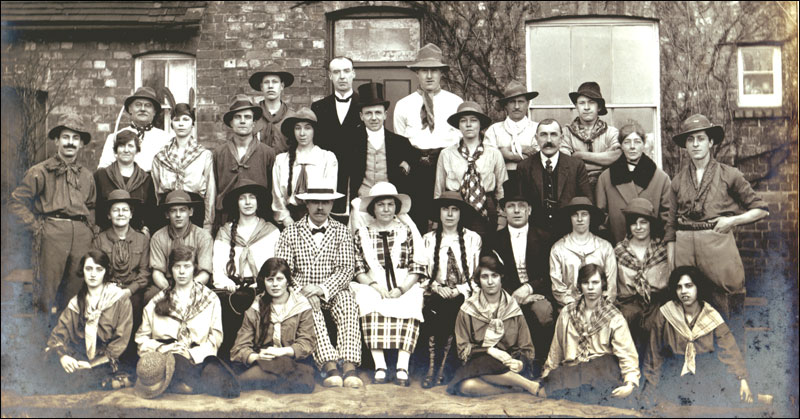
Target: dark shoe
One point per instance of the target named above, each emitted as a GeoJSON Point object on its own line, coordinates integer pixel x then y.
{"type": "Point", "coordinates": [383, 380]}
{"type": "Point", "coordinates": [403, 382]}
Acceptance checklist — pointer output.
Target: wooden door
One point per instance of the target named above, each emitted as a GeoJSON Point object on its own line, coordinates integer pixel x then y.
{"type": "Point", "coordinates": [398, 83]}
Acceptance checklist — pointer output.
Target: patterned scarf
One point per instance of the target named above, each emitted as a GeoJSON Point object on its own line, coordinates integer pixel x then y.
{"type": "Point", "coordinates": [61, 168]}
{"type": "Point", "coordinates": [477, 306]}
{"type": "Point", "coordinates": [263, 229]}
{"type": "Point", "coordinates": [707, 320]}
{"type": "Point", "coordinates": [656, 254]}
{"type": "Point", "coordinates": [471, 188]}
{"type": "Point", "coordinates": [515, 130]}
{"type": "Point", "coordinates": [108, 296]}
{"type": "Point", "coordinates": [600, 317]}
{"type": "Point", "coordinates": [587, 135]}
{"type": "Point", "coordinates": [426, 112]}
{"type": "Point", "coordinates": [200, 297]}
{"type": "Point", "coordinates": [453, 274]}
{"type": "Point", "coordinates": [169, 157]}
{"type": "Point", "coordinates": [697, 211]}
{"type": "Point", "coordinates": [141, 131]}
{"type": "Point", "coordinates": [137, 178]}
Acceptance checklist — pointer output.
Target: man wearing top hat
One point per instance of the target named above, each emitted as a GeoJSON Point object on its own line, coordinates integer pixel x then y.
{"type": "Point", "coordinates": [55, 202]}
{"type": "Point", "coordinates": [321, 256]}
{"type": "Point", "coordinates": [422, 118]}
{"type": "Point", "coordinates": [271, 81]}
{"type": "Point", "coordinates": [709, 199]}
{"type": "Point", "coordinates": [515, 136]}
{"type": "Point", "coordinates": [242, 156]}
{"type": "Point", "coordinates": [338, 122]}
{"type": "Point", "coordinates": [589, 138]}
{"type": "Point", "coordinates": [143, 107]}
{"type": "Point", "coordinates": [178, 208]}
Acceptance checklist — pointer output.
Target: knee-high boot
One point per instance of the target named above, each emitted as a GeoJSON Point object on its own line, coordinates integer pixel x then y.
{"type": "Point", "coordinates": [428, 381]}
{"type": "Point", "coordinates": [446, 350]}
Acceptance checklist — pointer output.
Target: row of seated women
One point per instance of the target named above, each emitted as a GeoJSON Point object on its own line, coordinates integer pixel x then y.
{"type": "Point", "coordinates": [591, 354]}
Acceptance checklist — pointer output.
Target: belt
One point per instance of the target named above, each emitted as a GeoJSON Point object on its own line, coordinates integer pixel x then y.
{"type": "Point", "coordinates": [62, 216]}
{"type": "Point", "coordinates": [700, 225]}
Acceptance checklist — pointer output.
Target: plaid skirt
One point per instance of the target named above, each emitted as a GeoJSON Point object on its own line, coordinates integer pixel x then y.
{"type": "Point", "coordinates": [381, 332]}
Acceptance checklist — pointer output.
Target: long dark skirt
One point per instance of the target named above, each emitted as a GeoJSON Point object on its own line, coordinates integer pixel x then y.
{"type": "Point", "coordinates": [212, 376]}
{"type": "Point", "coordinates": [477, 366]}
{"type": "Point", "coordinates": [281, 375]}
{"type": "Point", "coordinates": [233, 308]}
{"type": "Point", "coordinates": [591, 381]}
{"type": "Point", "coordinates": [52, 379]}
{"type": "Point", "coordinates": [712, 385]}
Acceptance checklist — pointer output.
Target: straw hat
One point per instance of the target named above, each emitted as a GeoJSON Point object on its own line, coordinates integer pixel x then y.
{"type": "Point", "coordinates": [385, 190]}
{"type": "Point", "coordinates": [153, 374]}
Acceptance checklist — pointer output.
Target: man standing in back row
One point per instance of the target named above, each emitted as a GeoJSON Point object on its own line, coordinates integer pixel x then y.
{"type": "Point", "coordinates": [271, 81]}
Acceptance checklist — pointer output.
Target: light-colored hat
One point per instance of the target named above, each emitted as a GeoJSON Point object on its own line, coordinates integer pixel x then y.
{"type": "Point", "coordinates": [699, 122]}
{"type": "Point", "coordinates": [178, 197]}
{"type": "Point", "coordinates": [386, 190]}
{"type": "Point", "coordinates": [153, 374]}
{"type": "Point", "coordinates": [470, 108]}
{"type": "Point", "coordinates": [121, 195]}
{"type": "Point", "coordinates": [72, 122]}
{"type": "Point", "coordinates": [319, 194]}
{"type": "Point", "coordinates": [429, 56]}
{"type": "Point", "coordinates": [514, 89]}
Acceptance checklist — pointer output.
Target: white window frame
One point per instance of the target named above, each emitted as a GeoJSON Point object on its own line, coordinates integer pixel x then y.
{"type": "Point", "coordinates": [167, 56]}
{"type": "Point", "coordinates": [773, 99]}
{"type": "Point", "coordinates": [603, 21]}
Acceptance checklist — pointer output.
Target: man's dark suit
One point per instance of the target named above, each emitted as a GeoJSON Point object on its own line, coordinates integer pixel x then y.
{"type": "Point", "coordinates": [337, 138]}
{"type": "Point", "coordinates": [398, 150]}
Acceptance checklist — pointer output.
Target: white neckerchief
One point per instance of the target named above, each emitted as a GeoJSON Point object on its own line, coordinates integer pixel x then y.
{"type": "Point", "coordinates": [553, 160]}
{"type": "Point", "coordinates": [376, 138]}
{"type": "Point", "coordinates": [515, 129]}
{"type": "Point", "coordinates": [343, 107]}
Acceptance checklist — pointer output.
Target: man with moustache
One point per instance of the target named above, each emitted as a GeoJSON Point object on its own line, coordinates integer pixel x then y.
{"type": "Point", "coordinates": [321, 255]}
{"type": "Point", "coordinates": [271, 81]}
{"type": "Point", "coordinates": [143, 107]}
{"type": "Point", "coordinates": [515, 136]}
{"type": "Point", "coordinates": [338, 122]}
{"type": "Point", "coordinates": [242, 157]}
{"type": "Point", "coordinates": [709, 199]}
{"type": "Point", "coordinates": [422, 118]}
{"type": "Point", "coordinates": [55, 202]}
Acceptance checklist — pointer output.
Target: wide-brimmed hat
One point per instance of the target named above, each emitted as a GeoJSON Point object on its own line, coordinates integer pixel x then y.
{"type": "Point", "coordinates": [303, 114]}
{"type": "Point", "coordinates": [512, 191]}
{"type": "Point", "coordinates": [641, 207]}
{"type": "Point", "coordinates": [286, 77]}
{"type": "Point", "coordinates": [371, 94]}
{"type": "Point", "coordinates": [242, 102]}
{"type": "Point", "coordinates": [319, 194]}
{"type": "Point", "coordinates": [591, 90]}
{"type": "Point", "coordinates": [72, 122]}
{"type": "Point", "coordinates": [178, 197]}
{"type": "Point", "coordinates": [144, 92]}
{"type": "Point", "coordinates": [429, 56]}
{"type": "Point", "coordinates": [469, 108]}
{"type": "Point", "coordinates": [231, 199]}
{"type": "Point", "coordinates": [699, 122]}
{"type": "Point", "coordinates": [448, 198]}
{"type": "Point", "coordinates": [121, 195]}
{"type": "Point", "coordinates": [386, 190]}
{"type": "Point", "coordinates": [153, 374]}
{"type": "Point", "coordinates": [583, 203]}
{"type": "Point", "coordinates": [514, 89]}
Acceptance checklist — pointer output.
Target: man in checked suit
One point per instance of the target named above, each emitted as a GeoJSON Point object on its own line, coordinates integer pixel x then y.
{"type": "Point", "coordinates": [321, 256]}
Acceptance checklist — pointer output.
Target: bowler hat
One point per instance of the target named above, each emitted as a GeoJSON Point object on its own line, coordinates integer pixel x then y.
{"type": "Point", "coordinates": [121, 195]}
{"type": "Point", "coordinates": [591, 90]}
{"type": "Point", "coordinates": [286, 77]}
{"type": "Point", "coordinates": [641, 207]}
{"type": "Point", "coordinates": [469, 108]}
{"type": "Point", "coordinates": [583, 203]}
{"type": "Point", "coordinates": [699, 122]}
{"type": "Point", "coordinates": [229, 202]}
{"type": "Point", "coordinates": [72, 122]}
{"type": "Point", "coordinates": [429, 56]}
{"type": "Point", "coordinates": [178, 197]}
{"type": "Point", "coordinates": [242, 102]}
{"type": "Point", "coordinates": [304, 114]}
{"type": "Point", "coordinates": [514, 89]}
{"type": "Point", "coordinates": [386, 190]}
{"type": "Point", "coordinates": [154, 373]}
{"type": "Point", "coordinates": [144, 92]}
{"type": "Point", "coordinates": [512, 191]}
{"type": "Point", "coordinates": [448, 198]}
{"type": "Point", "coordinates": [371, 94]}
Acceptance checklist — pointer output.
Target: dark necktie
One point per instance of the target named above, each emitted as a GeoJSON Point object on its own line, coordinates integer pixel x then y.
{"type": "Point", "coordinates": [318, 230]}
{"type": "Point", "coordinates": [453, 276]}
{"type": "Point", "coordinates": [391, 282]}
{"type": "Point", "coordinates": [549, 166]}
{"type": "Point", "coordinates": [345, 100]}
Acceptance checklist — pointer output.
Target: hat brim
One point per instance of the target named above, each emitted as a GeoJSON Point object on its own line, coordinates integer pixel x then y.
{"type": "Point", "coordinates": [429, 64]}
{"type": "Point", "coordinates": [256, 79]}
{"type": "Point", "coordinates": [573, 96]}
{"type": "Point", "coordinates": [165, 206]}
{"type": "Point", "coordinates": [527, 95]}
{"type": "Point", "coordinates": [130, 99]}
{"type": "Point", "coordinates": [232, 197]}
{"type": "Point", "coordinates": [483, 118]}
{"type": "Point", "coordinates": [133, 202]}
{"type": "Point", "coordinates": [405, 202]}
{"type": "Point", "coordinates": [596, 214]}
{"type": "Point", "coordinates": [228, 117]}
{"type": "Point", "coordinates": [314, 196]}
{"type": "Point", "coordinates": [86, 138]}
{"type": "Point", "coordinates": [468, 213]}
{"type": "Point", "coordinates": [287, 126]}
{"type": "Point", "coordinates": [649, 217]}
{"type": "Point", "coordinates": [715, 132]}
{"type": "Point", "coordinates": [155, 390]}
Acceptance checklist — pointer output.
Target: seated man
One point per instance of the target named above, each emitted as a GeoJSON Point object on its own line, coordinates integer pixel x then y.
{"type": "Point", "coordinates": [180, 230]}
{"type": "Point", "coordinates": [321, 257]}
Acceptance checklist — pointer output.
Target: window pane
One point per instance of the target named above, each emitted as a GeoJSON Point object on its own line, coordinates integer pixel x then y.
{"type": "Point", "coordinates": [635, 63]}
{"type": "Point", "coordinates": [622, 116]}
{"type": "Point", "coordinates": [590, 58]}
{"type": "Point", "coordinates": [153, 73]}
{"type": "Point", "coordinates": [758, 84]}
{"type": "Point", "coordinates": [757, 58]}
{"type": "Point", "coordinates": [181, 78]}
{"type": "Point", "coordinates": [388, 39]}
{"type": "Point", "coordinates": [547, 69]}
{"type": "Point", "coordinates": [563, 116]}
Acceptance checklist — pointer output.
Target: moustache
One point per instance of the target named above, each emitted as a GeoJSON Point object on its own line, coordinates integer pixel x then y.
{"type": "Point", "coordinates": [549, 144]}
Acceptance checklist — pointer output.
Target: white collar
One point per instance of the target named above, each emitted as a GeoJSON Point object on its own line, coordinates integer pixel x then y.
{"type": "Point", "coordinates": [553, 160]}
{"type": "Point", "coordinates": [513, 231]}
{"type": "Point", "coordinates": [379, 134]}
{"type": "Point", "coordinates": [343, 96]}
{"type": "Point", "coordinates": [312, 226]}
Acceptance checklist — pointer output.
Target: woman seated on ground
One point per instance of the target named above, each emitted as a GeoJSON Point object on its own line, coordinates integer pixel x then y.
{"type": "Point", "coordinates": [694, 344]}
{"type": "Point", "coordinates": [241, 247]}
{"type": "Point", "coordinates": [592, 346]}
{"type": "Point", "coordinates": [185, 320]}
{"type": "Point", "coordinates": [276, 339]}
{"type": "Point", "coordinates": [386, 287]}
{"type": "Point", "coordinates": [450, 253]}
{"type": "Point", "coordinates": [92, 332]}
{"type": "Point", "coordinates": [493, 339]}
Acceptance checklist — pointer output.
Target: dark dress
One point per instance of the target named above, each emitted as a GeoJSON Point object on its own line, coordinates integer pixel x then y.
{"type": "Point", "coordinates": [139, 186]}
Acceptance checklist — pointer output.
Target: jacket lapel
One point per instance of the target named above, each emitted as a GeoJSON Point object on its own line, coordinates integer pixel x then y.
{"type": "Point", "coordinates": [628, 191]}
{"type": "Point", "coordinates": [537, 173]}
{"type": "Point", "coordinates": [563, 173]}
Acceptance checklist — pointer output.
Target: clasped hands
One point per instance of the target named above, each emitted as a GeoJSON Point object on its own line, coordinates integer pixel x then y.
{"type": "Point", "coordinates": [515, 365]}
{"type": "Point", "coordinates": [523, 295]}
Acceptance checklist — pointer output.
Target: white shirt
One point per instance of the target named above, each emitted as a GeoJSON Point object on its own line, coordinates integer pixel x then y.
{"type": "Point", "coordinates": [553, 160]}
{"type": "Point", "coordinates": [319, 236]}
{"type": "Point", "coordinates": [322, 169]}
{"type": "Point", "coordinates": [498, 135]}
{"type": "Point", "coordinates": [376, 138]}
{"type": "Point", "coordinates": [154, 140]}
{"type": "Point", "coordinates": [407, 121]}
{"type": "Point", "coordinates": [343, 107]}
{"type": "Point", "coordinates": [519, 243]}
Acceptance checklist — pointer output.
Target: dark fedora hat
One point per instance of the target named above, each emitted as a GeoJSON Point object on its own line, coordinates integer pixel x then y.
{"type": "Point", "coordinates": [242, 102]}
{"type": "Point", "coordinates": [448, 198]}
{"type": "Point", "coordinates": [515, 89]}
{"type": "Point", "coordinates": [304, 114]}
{"type": "Point", "coordinates": [512, 191]}
{"type": "Point", "coordinates": [144, 92]}
{"type": "Point", "coordinates": [229, 203]}
{"type": "Point", "coordinates": [699, 122]}
{"type": "Point", "coordinates": [641, 207]}
{"type": "Point", "coordinates": [429, 56]}
{"type": "Point", "coordinates": [591, 90]}
{"type": "Point", "coordinates": [286, 77]}
{"type": "Point", "coordinates": [583, 203]}
{"type": "Point", "coordinates": [121, 195]}
{"type": "Point", "coordinates": [72, 122]}
{"type": "Point", "coordinates": [470, 108]}
{"type": "Point", "coordinates": [371, 94]}
{"type": "Point", "coordinates": [178, 197]}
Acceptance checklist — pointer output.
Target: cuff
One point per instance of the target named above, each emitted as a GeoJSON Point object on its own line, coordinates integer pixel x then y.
{"type": "Point", "coordinates": [325, 293]}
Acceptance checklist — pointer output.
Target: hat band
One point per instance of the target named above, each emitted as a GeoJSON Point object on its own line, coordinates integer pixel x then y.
{"type": "Point", "coordinates": [319, 191]}
{"type": "Point", "coordinates": [241, 104]}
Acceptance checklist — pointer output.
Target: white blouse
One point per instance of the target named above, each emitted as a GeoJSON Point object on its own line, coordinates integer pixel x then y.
{"type": "Point", "coordinates": [322, 169]}
{"type": "Point", "coordinates": [472, 245]}
{"type": "Point", "coordinates": [261, 251]}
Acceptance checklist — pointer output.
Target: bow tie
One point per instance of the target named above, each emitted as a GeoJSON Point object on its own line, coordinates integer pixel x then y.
{"type": "Point", "coordinates": [318, 230]}
{"type": "Point", "coordinates": [345, 100]}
